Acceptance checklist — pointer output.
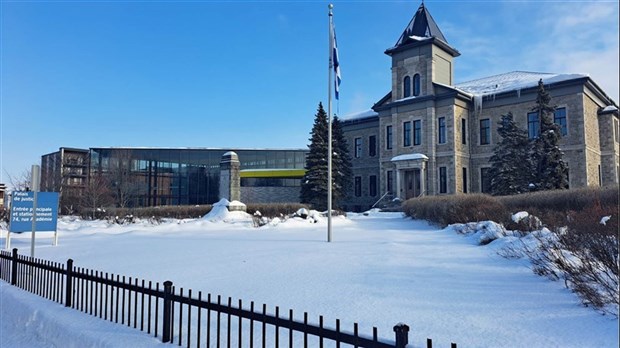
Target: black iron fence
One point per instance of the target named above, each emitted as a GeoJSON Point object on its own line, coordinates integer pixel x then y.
{"type": "Point", "coordinates": [179, 317]}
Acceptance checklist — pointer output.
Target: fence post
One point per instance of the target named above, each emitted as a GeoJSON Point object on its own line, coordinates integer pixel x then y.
{"type": "Point", "coordinates": [69, 287]}
{"type": "Point", "coordinates": [14, 268]}
{"type": "Point", "coordinates": [402, 335]}
{"type": "Point", "coordinates": [167, 310]}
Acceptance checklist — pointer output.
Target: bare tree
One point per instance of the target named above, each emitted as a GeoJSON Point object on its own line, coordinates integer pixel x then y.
{"type": "Point", "coordinates": [21, 181]}
{"type": "Point", "coordinates": [96, 195]}
{"type": "Point", "coordinates": [125, 186]}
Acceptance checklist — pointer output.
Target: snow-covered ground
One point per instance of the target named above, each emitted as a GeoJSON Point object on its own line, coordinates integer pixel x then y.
{"type": "Point", "coordinates": [380, 270]}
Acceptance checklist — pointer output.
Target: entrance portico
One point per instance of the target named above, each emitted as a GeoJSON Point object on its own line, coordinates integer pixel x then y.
{"type": "Point", "coordinates": [410, 175]}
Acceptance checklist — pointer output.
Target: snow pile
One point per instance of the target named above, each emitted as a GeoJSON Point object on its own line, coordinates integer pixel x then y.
{"type": "Point", "coordinates": [483, 232]}
{"type": "Point", "coordinates": [530, 221]}
{"type": "Point", "coordinates": [27, 320]}
{"type": "Point", "coordinates": [220, 213]}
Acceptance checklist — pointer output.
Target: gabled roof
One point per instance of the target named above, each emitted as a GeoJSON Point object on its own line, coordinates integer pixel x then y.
{"type": "Point", "coordinates": [422, 29]}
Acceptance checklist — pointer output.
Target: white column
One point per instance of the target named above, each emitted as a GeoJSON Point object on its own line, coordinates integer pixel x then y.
{"type": "Point", "coordinates": [398, 183]}
{"type": "Point", "coordinates": [423, 180]}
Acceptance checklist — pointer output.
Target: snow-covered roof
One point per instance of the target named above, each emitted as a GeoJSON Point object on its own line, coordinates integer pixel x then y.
{"type": "Point", "coordinates": [609, 108]}
{"type": "Point", "coordinates": [408, 157]}
{"type": "Point", "coordinates": [359, 115]}
{"type": "Point", "coordinates": [511, 81]}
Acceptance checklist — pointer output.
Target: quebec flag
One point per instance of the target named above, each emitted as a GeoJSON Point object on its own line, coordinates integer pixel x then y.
{"type": "Point", "coordinates": [336, 62]}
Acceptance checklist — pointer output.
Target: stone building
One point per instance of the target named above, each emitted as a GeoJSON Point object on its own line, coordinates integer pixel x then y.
{"type": "Point", "coordinates": [430, 136]}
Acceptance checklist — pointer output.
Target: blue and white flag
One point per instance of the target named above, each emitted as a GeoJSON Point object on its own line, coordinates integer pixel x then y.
{"type": "Point", "coordinates": [335, 62]}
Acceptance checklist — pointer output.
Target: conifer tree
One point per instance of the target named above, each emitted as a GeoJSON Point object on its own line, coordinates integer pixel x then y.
{"type": "Point", "coordinates": [549, 169]}
{"type": "Point", "coordinates": [342, 172]}
{"type": "Point", "coordinates": [314, 183]}
{"type": "Point", "coordinates": [510, 170]}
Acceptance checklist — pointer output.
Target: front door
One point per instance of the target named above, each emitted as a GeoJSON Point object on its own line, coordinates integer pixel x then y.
{"type": "Point", "coordinates": [412, 183]}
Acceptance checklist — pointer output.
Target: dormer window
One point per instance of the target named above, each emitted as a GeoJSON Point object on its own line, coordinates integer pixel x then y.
{"type": "Point", "coordinates": [407, 87]}
{"type": "Point", "coordinates": [416, 85]}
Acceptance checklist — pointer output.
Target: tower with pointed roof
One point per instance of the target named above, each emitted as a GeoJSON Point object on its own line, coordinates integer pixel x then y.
{"type": "Point", "coordinates": [420, 57]}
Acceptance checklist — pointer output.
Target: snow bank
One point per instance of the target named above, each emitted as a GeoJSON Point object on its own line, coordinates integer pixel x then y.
{"type": "Point", "coordinates": [220, 213]}
{"type": "Point", "coordinates": [27, 320]}
{"type": "Point", "coordinates": [483, 232]}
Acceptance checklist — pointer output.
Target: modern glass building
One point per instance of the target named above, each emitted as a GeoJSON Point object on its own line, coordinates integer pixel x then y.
{"type": "Point", "coordinates": [180, 176]}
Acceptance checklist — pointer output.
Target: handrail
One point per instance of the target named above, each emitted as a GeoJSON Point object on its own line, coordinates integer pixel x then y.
{"type": "Point", "coordinates": [380, 199]}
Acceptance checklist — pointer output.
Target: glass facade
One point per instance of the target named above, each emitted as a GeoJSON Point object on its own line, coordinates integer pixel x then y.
{"type": "Point", "coordinates": [154, 176]}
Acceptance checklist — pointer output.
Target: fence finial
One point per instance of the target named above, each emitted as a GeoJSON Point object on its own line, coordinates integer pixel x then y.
{"type": "Point", "coordinates": [402, 335]}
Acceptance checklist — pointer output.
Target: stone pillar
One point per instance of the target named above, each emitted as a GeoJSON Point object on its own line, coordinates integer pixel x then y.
{"type": "Point", "coordinates": [230, 181]}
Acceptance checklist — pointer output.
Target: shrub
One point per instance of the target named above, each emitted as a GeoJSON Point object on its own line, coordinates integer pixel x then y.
{"type": "Point", "coordinates": [272, 210]}
{"type": "Point", "coordinates": [584, 254]}
{"type": "Point", "coordinates": [445, 210]}
{"type": "Point", "coordinates": [176, 212]}
{"type": "Point", "coordinates": [555, 207]}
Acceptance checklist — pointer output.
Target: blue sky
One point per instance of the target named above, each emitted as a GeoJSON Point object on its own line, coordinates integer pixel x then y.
{"type": "Point", "coordinates": [250, 74]}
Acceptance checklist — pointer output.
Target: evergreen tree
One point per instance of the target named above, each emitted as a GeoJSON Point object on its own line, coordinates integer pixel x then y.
{"type": "Point", "coordinates": [314, 183]}
{"type": "Point", "coordinates": [342, 172]}
{"type": "Point", "coordinates": [510, 170]}
{"type": "Point", "coordinates": [549, 169]}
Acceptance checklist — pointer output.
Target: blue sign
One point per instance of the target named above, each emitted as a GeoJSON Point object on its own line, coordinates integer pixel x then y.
{"type": "Point", "coordinates": [21, 211]}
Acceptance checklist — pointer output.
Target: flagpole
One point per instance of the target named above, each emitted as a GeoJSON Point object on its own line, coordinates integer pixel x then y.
{"type": "Point", "coordinates": [329, 128]}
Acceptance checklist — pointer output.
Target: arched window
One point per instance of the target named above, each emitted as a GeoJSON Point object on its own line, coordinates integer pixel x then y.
{"type": "Point", "coordinates": [407, 87]}
{"type": "Point", "coordinates": [416, 85]}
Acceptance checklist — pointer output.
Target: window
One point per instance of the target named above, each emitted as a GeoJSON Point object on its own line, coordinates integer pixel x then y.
{"type": "Point", "coordinates": [485, 180]}
{"type": "Point", "coordinates": [407, 133]}
{"type": "Point", "coordinates": [416, 85]}
{"type": "Point", "coordinates": [485, 131]}
{"type": "Point", "coordinates": [464, 180]}
{"type": "Point", "coordinates": [388, 137]}
{"type": "Point", "coordinates": [417, 132]}
{"type": "Point", "coordinates": [390, 181]}
{"type": "Point", "coordinates": [533, 125]}
{"type": "Point", "coordinates": [372, 145]}
{"type": "Point", "coordinates": [407, 87]}
{"type": "Point", "coordinates": [463, 131]}
{"type": "Point", "coordinates": [443, 180]}
{"type": "Point", "coordinates": [559, 118]}
{"type": "Point", "coordinates": [358, 147]}
{"type": "Point", "coordinates": [616, 131]}
{"type": "Point", "coordinates": [442, 130]}
{"type": "Point", "coordinates": [372, 186]}
{"type": "Point", "coordinates": [358, 186]}
{"type": "Point", "coordinates": [600, 176]}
